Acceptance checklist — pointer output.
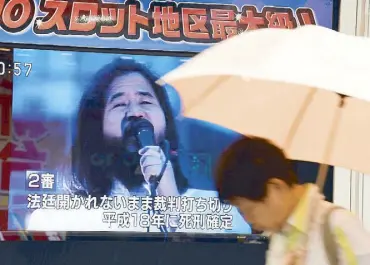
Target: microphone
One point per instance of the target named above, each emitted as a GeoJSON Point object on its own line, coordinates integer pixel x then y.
{"type": "Point", "coordinates": [141, 129]}
{"type": "Point", "coordinates": [143, 132]}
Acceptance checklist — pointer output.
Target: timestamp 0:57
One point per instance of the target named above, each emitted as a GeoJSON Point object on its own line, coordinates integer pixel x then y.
{"type": "Point", "coordinates": [17, 69]}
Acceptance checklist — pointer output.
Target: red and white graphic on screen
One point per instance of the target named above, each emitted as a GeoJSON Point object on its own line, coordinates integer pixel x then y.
{"type": "Point", "coordinates": [5, 128]}
{"type": "Point", "coordinates": [169, 21]}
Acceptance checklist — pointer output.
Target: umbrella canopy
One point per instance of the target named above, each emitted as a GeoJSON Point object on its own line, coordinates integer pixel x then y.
{"type": "Point", "coordinates": [304, 89]}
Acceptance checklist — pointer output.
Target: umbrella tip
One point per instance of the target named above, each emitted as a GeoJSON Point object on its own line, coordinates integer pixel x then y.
{"type": "Point", "coordinates": [161, 82]}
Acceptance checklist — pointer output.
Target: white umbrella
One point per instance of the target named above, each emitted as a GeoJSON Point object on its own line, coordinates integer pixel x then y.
{"type": "Point", "coordinates": [285, 85]}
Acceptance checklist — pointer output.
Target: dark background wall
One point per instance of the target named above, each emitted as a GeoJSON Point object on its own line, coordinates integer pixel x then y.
{"type": "Point", "coordinates": [133, 253]}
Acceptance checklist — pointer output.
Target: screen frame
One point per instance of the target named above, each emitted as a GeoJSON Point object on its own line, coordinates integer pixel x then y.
{"type": "Point", "coordinates": [137, 236]}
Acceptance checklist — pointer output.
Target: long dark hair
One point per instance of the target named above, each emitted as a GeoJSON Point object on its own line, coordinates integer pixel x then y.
{"type": "Point", "coordinates": [96, 180]}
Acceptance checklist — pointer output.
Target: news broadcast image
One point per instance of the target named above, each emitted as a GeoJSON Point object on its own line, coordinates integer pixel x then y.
{"type": "Point", "coordinates": [83, 170]}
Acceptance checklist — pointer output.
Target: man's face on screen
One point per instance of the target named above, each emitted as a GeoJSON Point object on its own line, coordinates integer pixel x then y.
{"type": "Point", "coordinates": [132, 95]}
{"type": "Point", "coordinates": [270, 213]}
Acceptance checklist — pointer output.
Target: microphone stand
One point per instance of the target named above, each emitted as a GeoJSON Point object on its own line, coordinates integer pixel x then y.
{"type": "Point", "coordinates": [143, 130]}
{"type": "Point", "coordinates": [153, 185]}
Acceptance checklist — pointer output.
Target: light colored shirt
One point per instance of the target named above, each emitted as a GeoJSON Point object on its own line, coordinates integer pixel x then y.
{"type": "Point", "coordinates": [93, 219]}
{"type": "Point", "coordinates": [302, 235]}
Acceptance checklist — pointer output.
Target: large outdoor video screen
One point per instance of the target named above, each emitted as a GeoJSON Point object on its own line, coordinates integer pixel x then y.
{"type": "Point", "coordinates": [85, 172]}
{"type": "Point", "coordinates": [68, 162]}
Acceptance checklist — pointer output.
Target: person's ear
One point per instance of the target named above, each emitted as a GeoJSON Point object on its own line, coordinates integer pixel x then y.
{"type": "Point", "coordinates": [276, 184]}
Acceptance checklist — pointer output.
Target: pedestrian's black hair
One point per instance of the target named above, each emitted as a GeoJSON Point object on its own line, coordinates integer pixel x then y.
{"type": "Point", "coordinates": [246, 167]}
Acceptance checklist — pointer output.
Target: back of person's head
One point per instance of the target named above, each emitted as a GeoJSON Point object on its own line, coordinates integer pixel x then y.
{"type": "Point", "coordinates": [247, 166]}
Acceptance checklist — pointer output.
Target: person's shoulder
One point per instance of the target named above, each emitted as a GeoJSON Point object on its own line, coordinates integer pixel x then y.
{"type": "Point", "coordinates": [349, 230]}
{"type": "Point", "coordinates": [339, 215]}
{"type": "Point", "coordinates": [200, 193]}
{"type": "Point", "coordinates": [71, 220]}
{"type": "Point", "coordinates": [61, 219]}
{"type": "Point", "coordinates": [43, 215]}
{"type": "Point", "coordinates": [40, 219]}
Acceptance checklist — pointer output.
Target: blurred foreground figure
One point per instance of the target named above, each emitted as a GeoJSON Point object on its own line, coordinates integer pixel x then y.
{"type": "Point", "coordinates": [255, 175]}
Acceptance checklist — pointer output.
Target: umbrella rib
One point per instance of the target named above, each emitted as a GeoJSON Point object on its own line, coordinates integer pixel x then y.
{"type": "Point", "coordinates": [207, 92]}
{"type": "Point", "coordinates": [298, 118]}
{"type": "Point", "coordinates": [323, 170]}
